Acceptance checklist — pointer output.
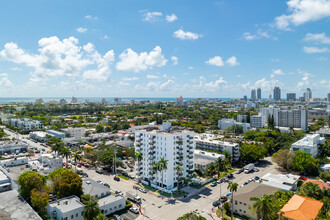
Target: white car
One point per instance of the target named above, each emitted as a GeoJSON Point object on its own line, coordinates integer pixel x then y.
{"type": "Point", "coordinates": [134, 210]}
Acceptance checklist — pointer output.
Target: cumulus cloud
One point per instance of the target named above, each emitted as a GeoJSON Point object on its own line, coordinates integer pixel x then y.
{"type": "Point", "coordinates": [182, 35]}
{"type": "Point", "coordinates": [305, 79]}
{"type": "Point", "coordinates": [121, 83]}
{"type": "Point", "coordinates": [215, 61]}
{"type": "Point", "coordinates": [152, 16]}
{"type": "Point", "coordinates": [303, 11]}
{"type": "Point", "coordinates": [278, 72]}
{"type": "Point", "coordinates": [132, 61]}
{"type": "Point", "coordinates": [316, 49]}
{"type": "Point", "coordinates": [150, 76]}
{"type": "Point", "coordinates": [171, 18]}
{"type": "Point", "coordinates": [175, 60]}
{"type": "Point", "coordinates": [259, 34]}
{"type": "Point", "coordinates": [320, 38]}
{"type": "Point", "coordinates": [4, 81]}
{"type": "Point", "coordinates": [232, 61]}
{"type": "Point", "coordinates": [211, 86]}
{"type": "Point", "coordinates": [81, 30]}
{"type": "Point", "coordinates": [158, 86]}
{"type": "Point", "coordinates": [16, 69]}
{"type": "Point", "coordinates": [57, 58]}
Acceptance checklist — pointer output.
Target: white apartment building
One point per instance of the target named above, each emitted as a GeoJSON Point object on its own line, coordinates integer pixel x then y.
{"type": "Point", "coordinates": [51, 160]}
{"type": "Point", "coordinates": [256, 121]}
{"type": "Point", "coordinates": [220, 146]}
{"type": "Point", "coordinates": [66, 209]}
{"type": "Point", "coordinates": [309, 144]}
{"type": "Point", "coordinates": [5, 182]}
{"type": "Point", "coordinates": [242, 118]}
{"type": "Point", "coordinates": [228, 122]}
{"type": "Point", "coordinates": [177, 147]}
{"type": "Point", "coordinates": [76, 132]}
{"type": "Point", "coordinates": [24, 123]}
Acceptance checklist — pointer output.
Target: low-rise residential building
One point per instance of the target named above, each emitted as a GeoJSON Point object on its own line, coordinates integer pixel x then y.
{"type": "Point", "coordinates": [94, 188]}
{"type": "Point", "coordinates": [225, 123]}
{"type": "Point", "coordinates": [220, 146]}
{"type": "Point", "coordinates": [76, 132]}
{"type": "Point", "coordinates": [13, 147]}
{"type": "Point", "coordinates": [5, 182]}
{"type": "Point", "coordinates": [52, 160]}
{"type": "Point", "coordinates": [66, 209]}
{"type": "Point", "coordinates": [318, 113]}
{"type": "Point", "coordinates": [111, 204]}
{"type": "Point", "coordinates": [299, 208]}
{"type": "Point", "coordinates": [324, 132]}
{"type": "Point", "coordinates": [309, 144]}
{"type": "Point", "coordinates": [242, 203]}
{"type": "Point", "coordinates": [287, 182]}
{"type": "Point", "coordinates": [24, 123]}
{"type": "Point", "coordinates": [204, 159]}
{"type": "Point", "coordinates": [320, 183]}
{"type": "Point", "coordinates": [40, 136]}
{"type": "Point", "coordinates": [57, 134]}
{"type": "Point", "coordinates": [242, 118]}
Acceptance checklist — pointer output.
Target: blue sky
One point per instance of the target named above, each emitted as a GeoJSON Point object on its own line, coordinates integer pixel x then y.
{"type": "Point", "coordinates": [153, 48]}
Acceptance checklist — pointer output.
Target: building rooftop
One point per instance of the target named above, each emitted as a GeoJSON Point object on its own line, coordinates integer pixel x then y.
{"type": "Point", "coordinates": [67, 204]}
{"type": "Point", "coordinates": [109, 199]}
{"type": "Point", "coordinates": [3, 177]}
{"type": "Point", "coordinates": [308, 140]}
{"type": "Point", "coordinates": [319, 183]}
{"type": "Point", "coordinates": [283, 181]}
{"type": "Point", "coordinates": [253, 189]}
{"type": "Point", "coordinates": [211, 155]}
{"type": "Point", "coordinates": [12, 207]}
{"type": "Point", "coordinates": [303, 208]}
{"type": "Point", "coordinates": [94, 188]}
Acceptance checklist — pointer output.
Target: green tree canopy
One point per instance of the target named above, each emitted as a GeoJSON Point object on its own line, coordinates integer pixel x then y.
{"type": "Point", "coordinates": [28, 181]}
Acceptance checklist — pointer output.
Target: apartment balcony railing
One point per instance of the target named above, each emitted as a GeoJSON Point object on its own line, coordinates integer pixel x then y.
{"type": "Point", "coordinates": [179, 142]}
{"type": "Point", "coordinates": [190, 157]}
{"type": "Point", "coordinates": [190, 147]}
{"type": "Point", "coordinates": [152, 158]}
{"type": "Point", "coordinates": [190, 167]}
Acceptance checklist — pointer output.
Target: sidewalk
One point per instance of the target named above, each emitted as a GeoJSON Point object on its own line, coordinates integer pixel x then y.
{"type": "Point", "coordinates": [214, 213]}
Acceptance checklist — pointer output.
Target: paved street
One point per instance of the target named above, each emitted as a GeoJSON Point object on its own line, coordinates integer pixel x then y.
{"type": "Point", "coordinates": [163, 209]}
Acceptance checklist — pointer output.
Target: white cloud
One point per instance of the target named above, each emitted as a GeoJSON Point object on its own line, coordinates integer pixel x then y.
{"type": "Point", "coordinates": [249, 36]}
{"type": "Point", "coordinates": [152, 16]}
{"type": "Point", "coordinates": [132, 61]}
{"type": "Point", "coordinates": [190, 67]}
{"type": "Point", "coordinates": [259, 34]}
{"type": "Point", "coordinates": [215, 61]}
{"type": "Point", "coordinates": [121, 83]}
{"type": "Point", "coordinates": [316, 50]}
{"type": "Point", "coordinates": [275, 60]}
{"type": "Point", "coordinates": [158, 86]}
{"type": "Point", "coordinates": [232, 61]}
{"type": "Point", "coordinates": [317, 38]}
{"type": "Point", "coordinates": [305, 80]}
{"type": "Point", "coordinates": [211, 86]}
{"type": "Point", "coordinates": [267, 85]}
{"type": "Point", "coordinates": [150, 76]}
{"type": "Point", "coordinates": [302, 11]}
{"type": "Point", "coordinates": [16, 69]}
{"type": "Point", "coordinates": [171, 18]}
{"type": "Point", "coordinates": [105, 37]}
{"type": "Point", "coordinates": [4, 81]}
{"type": "Point", "coordinates": [56, 58]}
{"type": "Point", "coordinates": [175, 60]}
{"type": "Point", "coordinates": [278, 72]}
{"type": "Point", "coordinates": [182, 35]}
{"type": "Point", "coordinates": [134, 78]}
{"type": "Point", "coordinates": [90, 17]}
{"type": "Point", "coordinates": [81, 30]}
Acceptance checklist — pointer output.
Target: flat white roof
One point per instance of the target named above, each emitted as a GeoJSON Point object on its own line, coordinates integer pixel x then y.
{"type": "Point", "coordinates": [67, 204]}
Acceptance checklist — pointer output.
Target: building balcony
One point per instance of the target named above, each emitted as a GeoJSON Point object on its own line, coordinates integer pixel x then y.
{"type": "Point", "coordinates": [152, 153]}
{"type": "Point", "coordinates": [179, 148]}
{"type": "Point", "coordinates": [190, 162]}
{"type": "Point", "coordinates": [179, 163]}
{"type": "Point", "coordinates": [190, 157]}
{"type": "Point", "coordinates": [179, 157]}
{"type": "Point", "coordinates": [190, 151]}
{"type": "Point", "coordinates": [151, 158]}
{"type": "Point", "coordinates": [190, 167]}
{"type": "Point", "coordinates": [179, 142]}
{"type": "Point", "coordinates": [152, 148]}
{"type": "Point", "coordinates": [190, 147]}
{"type": "Point", "coordinates": [190, 137]}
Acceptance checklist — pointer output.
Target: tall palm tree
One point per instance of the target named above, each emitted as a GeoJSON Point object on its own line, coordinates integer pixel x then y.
{"type": "Point", "coordinates": [65, 152]}
{"type": "Point", "coordinates": [178, 170]}
{"type": "Point", "coordinates": [263, 207]}
{"type": "Point", "coordinates": [91, 209]}
{"type": "Point", "coordinates": [154, 168]}
{"type": "Point", "coordinates": [162, 165]}
{"type": "Point", "coordinates": [138, 157]}
{"type": "Point", "coordinates": [222, 165]}
{"type": "Point", "coordinates": [76, 157]}
{"type": "Point", "coordinates": [232, 188]}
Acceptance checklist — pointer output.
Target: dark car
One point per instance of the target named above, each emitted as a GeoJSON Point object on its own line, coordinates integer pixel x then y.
{"type": "Point", "coordinates": [136, 187]}
{"type": "Point", "coordinates": [116, 178]}
{"type": "Point", "coordinates": [240, 171]}
{"type": "Point", "coordinates": [230, 176]}
{"type": "Point", "coordinates": [223, 199]}
{"type": "Point", "coordinates": [143, 190]}
{"type": "Point", "coordinates": [256, 177]}
{"type": "Point", "coordinates": [246, 183]}
{"type": "Point", "coordinates": [84, 174]}
{"type": "Point", "coordinates": [107, 185]}
{"type": "Point", "coordinates": [216, 203]}
{"type": "Point", "coordinates": [86, 165]}
{"type": "Point", "coordinates": [117, 217]}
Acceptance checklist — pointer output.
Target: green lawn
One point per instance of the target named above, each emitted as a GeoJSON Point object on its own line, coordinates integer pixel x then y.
{"type": "Point", "coordinates": [163, 193]}
{"type": "Point", "coordinates": [225, 216]}
{"type": "Point", "coordinates": [123, 177]}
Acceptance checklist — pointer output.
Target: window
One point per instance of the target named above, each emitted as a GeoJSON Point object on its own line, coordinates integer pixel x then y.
{"type": "Point", "coordinates": [245, 204]}
{"type": "Point", "coordinates": [240, 202]}
{"type": "Point", "coordinates": [119, 206]}
{"type": "Point", "coordinates": [72, 216]}
{"type": "Point", "coordinates": [244, 211]}
{"type": "Point", "coordinates": [115, 207]}
{"type": "Point", "coordinates": [235, 202]}
{"type": "Point", "coordinates": [240, 210]}
{"type": "Point", "coordinates": [82, 213]}
{"type": "Point", "coordinates": [76, 214]}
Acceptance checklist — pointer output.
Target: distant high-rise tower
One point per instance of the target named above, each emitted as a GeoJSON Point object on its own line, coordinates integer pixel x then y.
{"type": "Point", "coordinates": [259, 94]}
{"type": "Point", "coordinates": [245, 98]}
{"type": "Point", "coordinates": [328, 98]}
{"type": "Point", "coordinates": [291, 96]}
{"type": "Point", "coordinates": [270, 97]}
{"type": "Point", "coordinates": [277, 93]}
{"type": "Point", "coordinates": [253, 95]}
{"type": "Point", "coordinates": [308, 95]}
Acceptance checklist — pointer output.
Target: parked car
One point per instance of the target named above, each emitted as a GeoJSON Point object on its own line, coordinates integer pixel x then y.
{"type": "Point", "coordinates": [86, 165]}
{"type": "Point", "coordinates": [84, 174]}
{"type": "Point", "coordinates": [246, 183]}
{"type": "Point", "coordinates": [143, 190]}
{"type": "Point", "coordinates": [216, 203]}
{"type": "Point", "coordinates": [119, 193]}
{"type": "Point", "coordinates": [220, 181]}
{"type": "Point", "coordinates": [256, 170]}
{"type": "Point", "coordinates": [223, 199]}
{"type": "Point", "coordinates": [228, 194]}
{"type": "Point", "coordinates": [256, 178]}
{"type": "Point", "coordinates": [107, 185]}
{"type": "Point", "coordinates": [134, 210]}
{"type": "Point", "coordinates": [136, 187]}
{"type": "Point", "coordinates": [302, 178]}
{"type": "Point", "coordinates": [116, 178]}
{"type": "Point", "coordinates": [117, 217]}
{"type": "Point", "coordinates": [229, 176]}
{"type": "Point", "coordinates": [79, 165]}
{"type": "Point", "coordinates": [214, 183]}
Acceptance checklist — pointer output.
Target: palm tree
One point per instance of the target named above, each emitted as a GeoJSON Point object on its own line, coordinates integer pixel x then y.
{"type": "Point", "coordinates": [232, 188]}
{"type": "Point", "coordinates": [65, 152]}
{"type": "Point", "coordinates": [178, 170]}
{"type": "Point", "coordinates": [91, 209]}
{"type": "Point", "coordinates": [138, 157]}
{"type": "Point", "coordinates": [263, 207]}
{"type": "Point", "coordinates": [77, 157]}
{"type": "Point", "coordinates": [221, 165]}
{"type": "Point", "coordinates": [162, 165]}
{"type": "Point", "coordinates": [154, 168]}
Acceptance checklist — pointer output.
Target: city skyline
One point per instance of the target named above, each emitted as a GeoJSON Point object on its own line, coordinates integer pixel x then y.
{"type": "Point", "coordinates": [156, 49]}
